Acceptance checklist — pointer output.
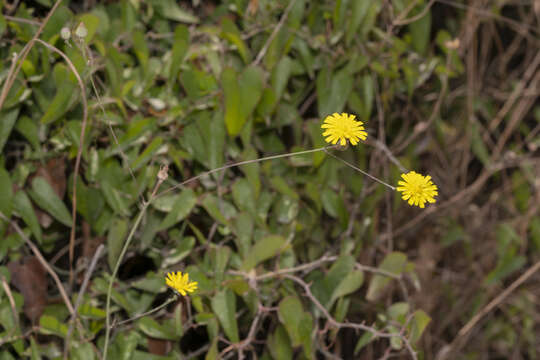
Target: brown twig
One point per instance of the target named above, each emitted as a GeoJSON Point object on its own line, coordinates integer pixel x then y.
{"type": "Point", "coordinates": [45, 264]}
{"type": "Point", "coordinates": [400, 21]}
{"type": "Point", "coordinates": [22, 20]}
{"type": "Point", "coordinates": [82, 290]}
{"type": "Point", "coordinates": [9, 295]}
{"type": "Point", "coordinates": [339, 325]}
{"type": "Point", "coordinates": [240, 346]}
{"type": "Point", "coordinates": [274, 33]}
{"type": "Point", "coordinates": [461, 338]}
{"type": "Point", "coordinates": [309, 266]}
{"type": "Point", "coordinates": [79, 154]}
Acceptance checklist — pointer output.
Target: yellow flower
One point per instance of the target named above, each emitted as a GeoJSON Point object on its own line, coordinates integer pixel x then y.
{"type": "Point", "coordinates": [342, 127]}
{"type": "Point", "coordinates": [180, 283]}
{"type": "Point", "coordinates": [417, 189]}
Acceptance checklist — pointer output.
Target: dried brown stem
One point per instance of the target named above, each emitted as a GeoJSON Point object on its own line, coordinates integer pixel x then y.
{"type": "Point", "coordinates": [79, 154]}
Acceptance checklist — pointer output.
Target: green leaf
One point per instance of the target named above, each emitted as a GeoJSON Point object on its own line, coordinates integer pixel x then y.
{"type": "Point", "coordinates": [251, 87]}
{"type": "Point", "coordinates": [365, 339]}
{"type": "Point", "coordinates": [59, 19]}
{"type": "Point", "coordinates": [393, 263]}
{"type": "Point", "coordinates": [28, 128]}
{"type": "Point", "coordinates": [305, 328]}
{"type": "Point", "coordinates": [299, 323]}
{"type": "Point", "coordinates": [23, 206]}
{"type": "Point", "coordinates": [233, 114]}
{"type": "Point", "coordinates": [224, 307]}
{"type": "Point", "coordinates": [7, 121]}
{"type": "Point", "coordinates": [220, 257]}
{"type": "Point", "coordinates": [65, 90]}
{"type": "Point", "coordinates": [169, 9]}
{"type": "Point", "coordinates": [151, 328]}
{"type": "Point", "coordinates": [534, 230]}
{"type": "Point", "coordinates": [91, 22]}
{"type": "Point", "coordinates": [420, 30]}
{"type": "Point", "coordinates": [521, 190]}
{"type": "Point", "coordinates": [244, 225]}
{"type": "Point", "coordinates": [280, 76]}
{"type": "Point", "coordinates": [147, 154]}
{"type": "Point", "coordinates": [477, 144]}
{"type": "Point", "coordinates": [509, 260]}
{"type": "Point", "coordinates": [179, 50]}
{"type": "Point", "coordinates": [332, 202]}
{"type": "Point", "coordinates": [242, 93]}
{"type": "Point", "coordinates": [90, 202]}
{"type": "Point", "coordinates": [47, 199]}
{"type": "Point", "coordinates": [243, 196]}
{"type": "Point", "coordinates": [6, 193]}
{"type": "Point", "coordinates": [51, 325]}
{"type": "Point", "coordinates": [279, 345]}
{"type": "Point", "coordinates": [505, 267]}
{"type": "Point", "coordinates": [219, 209]}
{"type": "Point", "coordinates": [264, 249]}
{"type": "Point", "coordinates": [232, 34]}
{"type": "Point", "coordinates": [88, 311]}
{"type": "Point", "coordinates": [82, 351]}
{"type": "Point", "coordinates": [418, 324]}
{"type": "Point", "coordinates": [115, 240]}
{"type": "Point", "coordinates": [358, 13]}
{"type": "Point", "coordinates": [114, 198]}
{"type": "Point", "coordinates": [283, 187]}
{"type": "Point", "coordinates": [333, 90]}
{"type": "Point", "coordinates": [213, 352]}
{"type": "Point", "coordinates": [291, 313]}
{"type": "Point", "coordinates": [398, 312]}
{"type": "Point", "coordinates": [141, 49]}
{"type": "Point", "coordinates": [368, 93]}
{"type": "Point", "coordinates": [350, 283]}
{"type": "Point", "coordinates": [124, 345]}
{"type": "Point", "coordinates": [3, 24]}
{"type": "Point", "coordinates": [181, 208]}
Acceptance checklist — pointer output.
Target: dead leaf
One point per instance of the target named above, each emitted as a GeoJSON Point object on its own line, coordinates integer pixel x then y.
{"type": "Point", "coordinates": [158, 346]}
{"type": "Point", "coordinates": [89, 246]}
{"type": "Point", "coordinates": [252, 8]}
{"type": "Point", "coordinates": [90, 243]}
{"type": "Point", "coordinates": [29, 277]}
{"type": "Point", "coordinates": [54, 172]}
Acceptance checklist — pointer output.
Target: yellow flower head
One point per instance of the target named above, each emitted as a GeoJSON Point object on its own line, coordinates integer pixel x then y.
{"type": "Point", "coordinates": [342, 127]}
{"type": "Point", "coordinates": [180, 283]}
{"type": "Point", "coordinates": [417, 189]}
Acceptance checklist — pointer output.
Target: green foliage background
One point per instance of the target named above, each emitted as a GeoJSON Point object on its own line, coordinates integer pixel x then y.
{"type": "Point", "coordinates": [197, 85]}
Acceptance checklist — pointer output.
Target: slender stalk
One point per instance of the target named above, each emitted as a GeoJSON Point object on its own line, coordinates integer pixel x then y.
{"type": "Point", "coordinates": [361, 171]}
{"type": "Point", "coordinates": [162, 175]}
{"type": "Point", "coordinates": [245, 162]}
{"type": "Point", "coordinates": [157, 308]}
{"type": "Point", "coordinates": [113, 277]}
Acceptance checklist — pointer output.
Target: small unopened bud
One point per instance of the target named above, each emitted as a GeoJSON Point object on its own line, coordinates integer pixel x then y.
{"type": "Point", "coordinates": [452, 44]}
{"type": "Point", "coordinates": [81, 31]}
{"type": "Point", "coordinates": [65, 33]}
{"type": "Point", "coordinates": [163, 173]}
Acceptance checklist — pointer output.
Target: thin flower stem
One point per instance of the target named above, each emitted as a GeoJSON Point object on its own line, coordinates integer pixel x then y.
{"type": "Point", "coordinates": [119, 261]}
{"type": "Point", "coordinates": [246, 162]}
{"type": "Point", "coordinates": [113, 276]}
{"type": "Point", "coordinates": [360, 170]}
{"type": "Point", "coordinates": [157, 308]}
